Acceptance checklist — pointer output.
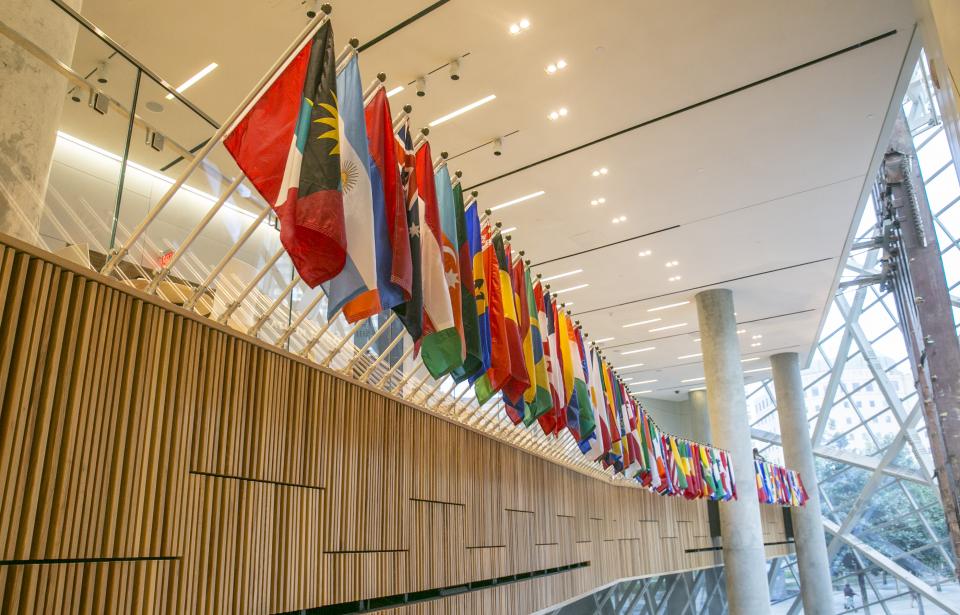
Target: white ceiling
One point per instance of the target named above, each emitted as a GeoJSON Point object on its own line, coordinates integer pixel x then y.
{"type": "Point", "coordinates": [768, 178]}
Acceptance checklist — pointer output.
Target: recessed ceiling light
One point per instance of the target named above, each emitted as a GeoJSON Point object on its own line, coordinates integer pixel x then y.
{"type": "Point", "coordinates": [674, 278]}
{"type": "Point", "coordinates": [517, 28]}
{"type": "Point", "coordinates": [568, 303]}
{"type": "Point", "coordinates": [755, 344]}
{"type": "Point", "coordinates": [562, 111]}
{"type": "Point", "coordinates": [655, 329]}
{"type": "Point", "coordinates": [645, 381]}
{"type": "Point", "coordinates": [508, 230]}
{"type": "Point", "coordinates": [696, 339]}
{"type": "Point", "coordinates": [554, 115]}
{"type": "Point", "coordinates": [750, 359]}
{"type": "Point", "coordinates": [639, 350]}
{"type": "Point", "coordinates": [640, 322]}
{"type": "Point", "coordinates": [645, 253]}
{"type": "Point", "coordinates": [600, 171]}
{"type": "Point", "coordinates": [753, 371]}
{"type": "Point", "coordinates": [672, 263]}
{"type": "Point", "coordinates": [701, 378]}
{"type": "Point", "coordinates": [668, 306]}
{"type": "Point", "coordinates": [627, 379]}
{"type": "Point", "coordinates": [623, 218]}
{"type": "Point", "coordinates": [566, 290]}
{"type": "Point", "coordinates": [757, 336]}
{"type": "Point", "coordinates": [553, 67]}
{"type": "Point", "coordinates": [521, 199]}
{"type": "Point", "coordinates": [691, 356]}
{"type": "Point", "coordinates": [561, 275]}
{"type": "Point", "coordinates": [739, 331]}
{"type": "Point", "coordinates": [631, 365]}
{"type": "Point", "coordinates": [603, 339]}
{"type": "Point", "coordinates": [206, 70]}
{"type": "Point", "coordinates": [642, 392]}
{"type": "Point", "coordinates": [698, 389]}
{"type": "Point", "coordinates": [462, 110]}
{"type": "Point", "coordinates": [395, 90]}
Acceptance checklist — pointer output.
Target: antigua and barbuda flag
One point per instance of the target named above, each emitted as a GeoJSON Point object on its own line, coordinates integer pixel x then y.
{"type": "Point", "coordinates": [287, 144]}
{"type": "Point", "coordinates": [355, 288]}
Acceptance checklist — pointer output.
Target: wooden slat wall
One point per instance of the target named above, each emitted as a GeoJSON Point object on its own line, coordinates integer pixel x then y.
{"type": "Point", "coordinates": [153, 462]}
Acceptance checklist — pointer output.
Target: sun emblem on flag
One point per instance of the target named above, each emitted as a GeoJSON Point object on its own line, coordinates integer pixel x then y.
{"type": "Point", "coordinates": [348, 175]}
{"type": "Point", "coordinates": [333, 121]}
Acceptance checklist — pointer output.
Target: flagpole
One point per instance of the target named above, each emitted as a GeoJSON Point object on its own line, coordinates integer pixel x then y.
{"type": "Point", "coordinates": [398, 120]}
{"type": "Point", "coordinates": [383, 355]}
{"type": "Point", "coordinates": [421, 138]}
{"type": "Point", "coordinates": [395, 366]}
{"type": "Point", "coordinates": [347, 54]}
{"type": "Point", "coordinates": [405, 379]}
{"type": "Point", "coordinates": [373, 87]}
{"type": "Point", "coordinates": [431, 392]}
{"type": "Point", "coordinates": [316, 338]}
{"type": "Point", "coordinates": [202, 288]}
{"type": "Point", "coordinates": [343, 340]}
{"type": "Point", "coordinates": [227, 313]}
{"type": "Point", "coordinates": [441, 162]}
{"type": "Point", "coordinates": [453, 405]}
{"type": "Point", "coordinates": [303, 315]}
{"type": "Point", "coordinates": [181, 250]}
{"type": "Point", "coordinates": [270, 310]}
{"type": "Point", "coordinates": [252, 97]}
{"type": "Point", "coordinates": [370, 342]}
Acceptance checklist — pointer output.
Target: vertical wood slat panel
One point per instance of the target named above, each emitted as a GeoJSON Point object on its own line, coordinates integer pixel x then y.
{"type": "Point", "coordinates": [179, 468]}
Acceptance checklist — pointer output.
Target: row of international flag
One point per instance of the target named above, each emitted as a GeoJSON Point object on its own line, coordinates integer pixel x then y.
{"type": "Point", "coordinates": [365, 213]}
{"type": "Point", "coordinates": [778, 485]}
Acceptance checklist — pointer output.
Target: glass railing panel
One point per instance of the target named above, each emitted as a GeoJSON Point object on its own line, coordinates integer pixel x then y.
{"type": "Point", "coordinates": [73, 98]}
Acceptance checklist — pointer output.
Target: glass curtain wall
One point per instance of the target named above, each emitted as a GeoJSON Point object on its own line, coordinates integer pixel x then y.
{"type": "Point", "coordinates": [883, 517]}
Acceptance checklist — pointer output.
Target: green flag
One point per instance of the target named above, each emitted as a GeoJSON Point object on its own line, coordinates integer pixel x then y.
{"type": "Point", "coordinates": [473, 360]}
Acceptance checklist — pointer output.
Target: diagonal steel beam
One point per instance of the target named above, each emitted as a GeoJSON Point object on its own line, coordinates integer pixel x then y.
{"type": "Point", "coordinates": [885, 563]}
{"type": "Point", "coordinates": [874, 482]}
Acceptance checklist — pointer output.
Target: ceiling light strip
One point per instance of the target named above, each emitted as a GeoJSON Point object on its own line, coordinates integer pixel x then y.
{"type": "Point", "coordinates": [462, 110]}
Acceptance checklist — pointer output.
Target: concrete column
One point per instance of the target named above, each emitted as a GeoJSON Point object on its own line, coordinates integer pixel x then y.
{"type": "Point", "coordinates": [744, 558]}
{"type": "Point", "coordinates": [700, 416]}
{"type": "Point", "coordinates": [816, 589]}
{"type": "Point", "coordinates": [31, 101]}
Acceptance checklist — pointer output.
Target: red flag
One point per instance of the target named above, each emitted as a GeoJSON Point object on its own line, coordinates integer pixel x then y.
{"type": "Point", "coordinates": [287, 146]}
{"type": "Point", "coordinates": [383, 152]}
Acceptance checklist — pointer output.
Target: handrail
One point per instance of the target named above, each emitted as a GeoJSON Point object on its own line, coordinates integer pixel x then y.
{"type": "Point", "coordinates": [83, 21]}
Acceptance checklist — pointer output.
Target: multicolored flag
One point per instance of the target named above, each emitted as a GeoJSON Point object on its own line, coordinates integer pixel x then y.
{"type": "Point", "coordinates": [410, 312]}
{"type": "Point", "coordinates": [589, 442]}
{"type": "Point", "coordinates": [287, 143]}
{"type": "Point", "coordinates": [499, 370]}
{"type": "Point", "coordinates": [354, 289]}
{"type": "Point", "coordinates": [451, 255]}
{"type": "Point", "coordinates": [473, 357]}
{"type": "Point", "coordinates": [394, 267]}
{"type": "Point", "coordinates": [542, 401]}
{"type": "Point", "coordinates": [554, 361]}
{"type": "Point", "coordinates": [518, 380]}
{"type": "Point", "coordinates": [476, 325]}
{"type": "Point", "coordinates": [440, 345]}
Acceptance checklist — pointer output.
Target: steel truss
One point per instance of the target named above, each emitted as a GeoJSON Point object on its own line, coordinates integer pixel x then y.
{"type": "Point", "coordinates": [687, 593]}
{"type": "Point", "coordinates": [866, 417]}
